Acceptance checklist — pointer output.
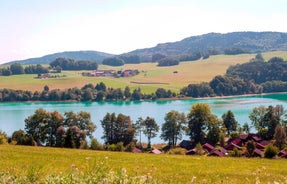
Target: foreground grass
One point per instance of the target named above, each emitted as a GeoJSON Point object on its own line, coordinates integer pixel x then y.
{"type": "Point", "coordinates": [187, 73]}
{"type": "Point", "coordinates": [49, 165]}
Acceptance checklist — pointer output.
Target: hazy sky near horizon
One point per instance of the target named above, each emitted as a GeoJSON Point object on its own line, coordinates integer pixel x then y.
{"type": "Point", "coordinates": [33, 28]}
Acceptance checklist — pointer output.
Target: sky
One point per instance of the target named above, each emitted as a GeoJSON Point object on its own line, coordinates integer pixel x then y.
{"type": "Point", "coordinates": [34, 28]}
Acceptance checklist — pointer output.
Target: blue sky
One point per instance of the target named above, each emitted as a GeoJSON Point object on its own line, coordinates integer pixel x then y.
{"type": "Point", "coordinates": [33, 28]}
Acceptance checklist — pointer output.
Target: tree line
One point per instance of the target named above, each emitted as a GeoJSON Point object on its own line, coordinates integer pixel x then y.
{"type": "Point", "coordinates": [120, 132]}
{"type": "Point", "coordinates": [254, 77]}
{"type": "Point", "coordinates": [89, 92]}
{"type": "Point", "coordinates": [18, 69]}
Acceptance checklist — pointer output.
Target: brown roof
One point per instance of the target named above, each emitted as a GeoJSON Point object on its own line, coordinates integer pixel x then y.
{"type": "Point", "coordinates": [258, 152]}
{"type": "Point", "coordinates": [136, 150]}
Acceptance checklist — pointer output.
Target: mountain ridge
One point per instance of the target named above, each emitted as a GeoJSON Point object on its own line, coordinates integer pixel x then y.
{"type": "Point", "coordinates": [250, 41]}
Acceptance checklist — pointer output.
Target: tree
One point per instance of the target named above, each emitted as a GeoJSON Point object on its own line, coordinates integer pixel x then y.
{"type": "Point", "coordinates": [213, 135]}
{"type": "Point", "coordinates": [118, 129]}
{"type": "Point", "coordinates": [256, 117]}
{"type": "Point", "coordinates": [200, 119]}
{"type": "Point", "coordinates": [42, 126]}
{"type": "Point", "coordinates": [82, 120]}
{"type": "Point", "coordinates": [270, 120]}
{"type": "Point", "coordinates": [17, 69]}
{"type": "Point", "coordinates": [138, 126]}
{"type": "Point", "coordinates": [113, 61]}
{"type": "Point", "coordinates": [229, 121]}
{"type": "Point", "coordinates": [250, 147]}
{"type": "Point", "coordinates": [150, 129]}
{"type": "Point", "coordinates": [280, 136]}
{"type": "Point", "coordinates": [173, 127]}
{"type": "Point", "coordinates": [246, 128]}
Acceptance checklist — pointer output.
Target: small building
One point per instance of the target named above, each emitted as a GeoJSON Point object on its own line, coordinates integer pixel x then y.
{"type": "Point", "coordinates": [208, 147]}
{"type": "Point", "coordinates": [155, 151]}
{"type": "Point", "coordinates": [216, 152]}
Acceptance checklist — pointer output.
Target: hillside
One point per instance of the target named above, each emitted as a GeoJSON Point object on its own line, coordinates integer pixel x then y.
{"type": "Point", "coordinates": [250, 41]}
{"type": "Point", "coordinates": [77, 55]}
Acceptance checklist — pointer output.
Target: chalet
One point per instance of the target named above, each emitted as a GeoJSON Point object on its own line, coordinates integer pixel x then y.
{"type": "Point", "coordinates": [127, 73]}
{"type": "Point", "coordinates": [257, 153]}
{"type": "Point", "coordinates": [231, 146]}
{"type": "Point", "coordinates": [155, 151]}
{"type": "Point", "coordinates": [259, 146]}
{"type": "Point", "coordinates": [136, 150]}
{"type": "Point", "coordinates": [207, 147]}
{"type": "Point", "coordinates": [216, 152]}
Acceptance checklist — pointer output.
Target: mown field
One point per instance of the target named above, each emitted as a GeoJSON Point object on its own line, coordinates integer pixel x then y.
{"type": "Point", "coordinates": [55, 165]}
{"type": "Point", "coordinates": [187, 72]}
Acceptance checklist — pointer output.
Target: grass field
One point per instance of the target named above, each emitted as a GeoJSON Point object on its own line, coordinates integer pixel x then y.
{"type": "Point", "coordinates": [51, 165]}
{"type": "Point", "coordinates": [188, 72]}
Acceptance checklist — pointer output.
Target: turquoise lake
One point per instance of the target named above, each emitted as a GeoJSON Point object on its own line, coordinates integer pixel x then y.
{"type": "Point", "coordinates": [12, 115]}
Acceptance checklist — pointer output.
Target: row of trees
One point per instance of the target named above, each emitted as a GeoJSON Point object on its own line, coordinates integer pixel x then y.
{"type": "Point", "coordinates": [259, 71]}
{"type": "Point", "coordinates": [88, 92]}
{"type": "Point", "coordinates": [18, 69]}
{"type": "Point", "coordinates": [71, 129]}
{"type": "Point", "coordinates": [254, 77]}
{"type": "Point", "coordinates": [71, 64]}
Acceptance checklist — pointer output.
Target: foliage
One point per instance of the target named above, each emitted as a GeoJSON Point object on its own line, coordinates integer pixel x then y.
{"type": "Point", "coordinates": [52, 129]}
{"type": "Point", "coordinates": [250, 147]}
{"type": "Point", "coordinates": [236, 153]}
{"type": "Point", "coordinates": [177, 151]}
{"type": "Point", "coordinates": [200, 120]}
{"type": "Point", "coordinates": [229, 121]}
{"type": "Point", "coordinates": [3, 138]}
{"type": "Point", "coordinates": [235, 50]}
{"type": "Point", "coordinates": [21, 138]}
{"type": "Point", "coordinates": [71, 64]}
{"type": "Point", "coordinates": [118, 129]}
{"type": "Point", "coordinates": [95, 145]}
{"type": "Point", "coordinates": [260, 72]}
{"type": "Point", "coordinates": [270, 151]}
{"type": "Point", "coordinates": [150, 129]}
{"type": "Point", "coordinates": [280, 136]}
{"type": "Point", "coordinates": [156, 57]}
{"type": "Point", "coordinates": [130, 58]}
{"type": "Point", "coordinates": [167, 61]}
{"type": "Point", "coordinates": [173, 127]}
{"type": "Point", "coordinates": [113, 61]}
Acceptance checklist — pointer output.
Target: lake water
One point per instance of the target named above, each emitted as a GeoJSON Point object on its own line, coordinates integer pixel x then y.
{"type": "Point", "coordinates": [12, 115]}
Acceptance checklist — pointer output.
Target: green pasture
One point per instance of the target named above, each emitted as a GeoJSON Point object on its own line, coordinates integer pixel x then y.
{"type": "Point", "coordinates": [153, 77]}
{"type": "Point", "coordinates": [39, 164]}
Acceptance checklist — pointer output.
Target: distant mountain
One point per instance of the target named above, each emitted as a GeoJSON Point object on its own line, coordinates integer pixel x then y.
{"type": "Point", "coordinates": [250, 41]}
{"type": "Point", "coordinates": [77, 55]}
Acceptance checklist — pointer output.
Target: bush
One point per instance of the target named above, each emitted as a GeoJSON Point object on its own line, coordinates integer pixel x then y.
{"type": "Point", "coordinates": [3, 138]}
{"type": "Point", "coordinates": [95, 145]}
{"type": "Point", "coordinates": [236, 153]}
{"type": "Point", "coordinates": [116, 147]}
{"type": "Point", "coordinates": [177, 151]}
{"type": "Point", "coordinates": [270, 151]}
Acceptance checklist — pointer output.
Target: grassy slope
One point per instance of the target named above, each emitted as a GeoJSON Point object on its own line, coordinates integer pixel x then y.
{"type": "Point", "coordinates": [188, 72]}
{"type": "Point", "coordinates": [41, 162]}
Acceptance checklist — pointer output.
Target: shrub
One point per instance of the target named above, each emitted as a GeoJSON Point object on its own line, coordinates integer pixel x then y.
{"type": "Point", "coordinates": [236, 153]}
{"type": "Point", "coordinates": [270, 151]}
{"type": "Point", "coordinates": [3, 138]}
{"type": "Point", "coordinates": [177, 151]}
{"type": "Point", "coordinates": [95, 145]}
{"type": "Point", "coordinates": [116, 147]}
{"type": "Point", "coordinates": [250, 147]}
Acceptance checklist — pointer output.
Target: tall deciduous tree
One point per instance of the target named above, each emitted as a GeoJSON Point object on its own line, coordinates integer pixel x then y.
{"type": "Point", "coordinates": [280, 136]}
{"type": "Point", "coordinates": [229, 121]}
{"type": "Point", "coordinates": [199, 120]}
{"type": "Point", "coordinates": [118, 129]}
{"type": "Point", "coordinates": [150, 129]}
{"type": "Point", "coordinates": [173, 127]}
{"type": "Point", "coordinates": [256, 117]}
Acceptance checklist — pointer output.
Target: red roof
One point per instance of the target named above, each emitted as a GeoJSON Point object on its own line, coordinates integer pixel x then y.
{"type": "Point", "coordinates": [232, 146]}
{"type": "Point", "coordinates": [136, 150]}
{"type": "Point", "coordinates": [258, 152]}
{"type": "Point", "coordinates": [259, 146]}
{"type": "Point", "coordinates": [208, 147]}
{"type": "Point", "coordinates": [216, 153]}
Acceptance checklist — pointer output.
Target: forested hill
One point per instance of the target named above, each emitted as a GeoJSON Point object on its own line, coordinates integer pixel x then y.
{"type": "Point", "coordinates": [219, 43]}
{"type": "Point", "coordinates": [76, 55]}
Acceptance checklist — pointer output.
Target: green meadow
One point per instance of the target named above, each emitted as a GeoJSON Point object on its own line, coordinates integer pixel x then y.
{"type": "Point", "coordinates": [20, 164]}
{"type": "Point", "coordinates": [162, 77]}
